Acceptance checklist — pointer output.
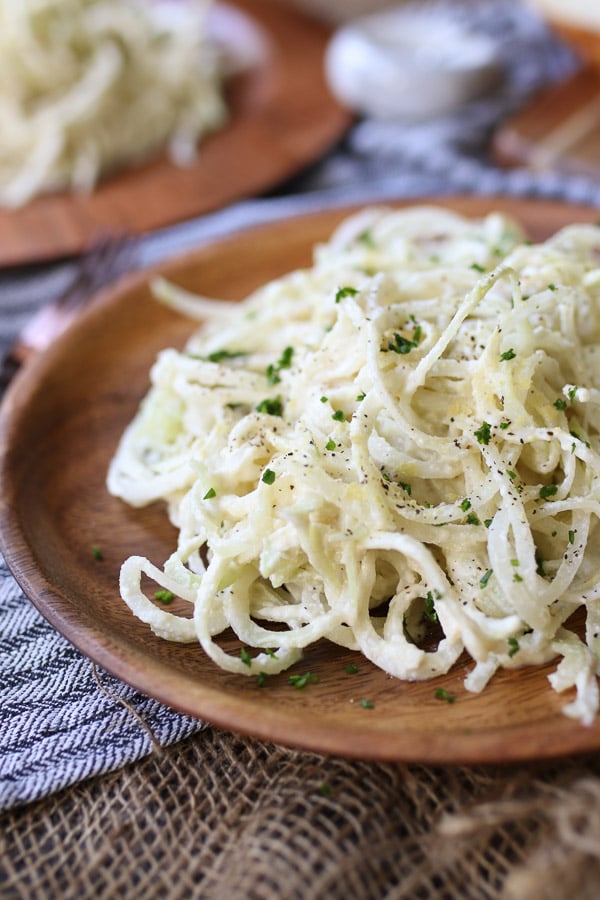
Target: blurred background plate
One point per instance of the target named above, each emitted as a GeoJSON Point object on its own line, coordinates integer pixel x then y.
{"type": "Point", "coordinates": [282, 118]}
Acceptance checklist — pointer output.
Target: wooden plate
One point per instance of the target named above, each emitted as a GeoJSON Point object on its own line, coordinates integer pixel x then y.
{"type": "Point", "coordinates": [282, 118]}
{"type": "Point", "coordinates": [59, 427]}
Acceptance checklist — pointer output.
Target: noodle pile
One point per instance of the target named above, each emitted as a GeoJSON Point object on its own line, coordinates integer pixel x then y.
{"type": "Point", "coordinates": [404, 435]}
{"type": "Point", "coordinates": [89, 86]}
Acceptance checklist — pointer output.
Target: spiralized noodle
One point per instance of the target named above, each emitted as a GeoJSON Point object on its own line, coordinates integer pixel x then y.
{"type": "Point", "coordinates": [406, 432]}
{"type": "Point", "coordinates": [88, 86]}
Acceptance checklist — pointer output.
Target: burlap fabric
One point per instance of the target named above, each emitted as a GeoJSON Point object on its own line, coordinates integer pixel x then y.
{"type": "Point", "coordinates": [219, 817]}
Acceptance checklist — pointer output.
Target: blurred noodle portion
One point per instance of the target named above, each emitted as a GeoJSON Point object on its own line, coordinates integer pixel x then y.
{"type": "Point", "coordinates": [91, 86]}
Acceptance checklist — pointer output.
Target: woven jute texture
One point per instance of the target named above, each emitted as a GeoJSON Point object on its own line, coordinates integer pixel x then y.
{"type": "Point", "coordinates": [221, 817]}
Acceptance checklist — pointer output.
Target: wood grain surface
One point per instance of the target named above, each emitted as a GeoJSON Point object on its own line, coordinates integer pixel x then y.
{"type": "Point", "coordinates": [558, 130]}
{"type": "Point", "coordinates": [59, 426]}
{"type": "Point", "coordinates": [282, 117]}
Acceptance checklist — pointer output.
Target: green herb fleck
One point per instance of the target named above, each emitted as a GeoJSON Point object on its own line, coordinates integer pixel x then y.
{"type": "Point", "coordinates": [571, 537]}
{"type": "Point", "coordinates": [245, 657]}
{"type": "Point", "coordinates": [477, 267]}
{"type": "Point", "coordinates": [401, 344]}
{"type": "Point", "coordinates": [466, 504]}
{"type": "Point", "coordinates": [483, 433]}
{"type": "Point", "coordinates": [472, 519]}
{"type": "Point", "coordinates": [210, 494]}
{"type": "Point", "coordinates": [508, 354]}
{"type": "Point", "coordinates": [485, 578]}
{"type": "Point", "coordinates": [571, 394]}
{"type": "Point", "coordinates": [261, 679]}
{"type": "Point", "coordinates": [339, 415]}
{"type": "Point", "coordinates": [487, 522]}
{"type": "Point", "coordinates": [284, 362]}
{"type": "Point", "coordinates": [551, 287]}
{"type": "Point", "coordinates": [430, 612]}
{"type": "Point", "coordinates": [351, 669]}
{"type": "Point", "coordinates": [330, 445]}
{"type": "Point", "coordinates": [367, 704]}
{"type": "Point", "coordinates": [220, 355]}
{"type": "Point", "coordinates": [560, 403]}
{"type": "Point", "coordinates": [300, 681]}
{"type": "Point", "coordinates": [504, 425]}
{"type": "Point", "coordinates": [97, 552]}
{"type": "Point", "coordinates": [163, 596]}
{"type": "Point", "coordinates": [366, 238]}
{"type": "Point", "coordinates": [513, 646]}
{"type": "Point", "coordinates": [442, 694]}
{"type": "Point", "coordinates": [548, 490]}
{"type": "Point", "coordinates": [272, 406]}
{"type": "Point", "coordinates": [268, 476]}
{"type": "Point", "coordinates": [345, 292]}
{"type": "Point", "coordinates": [324, 790]}
{"type": "Point", "coordinates": [512, 475]}
{"type": "Point", "coordinates": [517, 577]}
{"type": "Point", "coordinates": [324, 399]}
{"type": "Point", "coordinates": [360, 397]}
{"type": "Point", "coordinates": [406, 486]}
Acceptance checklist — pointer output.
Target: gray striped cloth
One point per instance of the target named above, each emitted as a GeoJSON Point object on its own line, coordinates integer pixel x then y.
{"type": "Point", "coordinates": [57, 724]}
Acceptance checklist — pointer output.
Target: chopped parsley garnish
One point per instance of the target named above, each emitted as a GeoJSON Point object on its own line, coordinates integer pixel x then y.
{"type": "Point", "coordinates": [472, 519]}
{"type": "Point", "coordinates": [401, 344]}
{"type": "Point", "coordinates": [560, 403]}
{"type": "Point", "coordinates": [442, 694]}
{"type": "Point", "coordinates": [466, 504]}
{"type": "Point", "coordinates": [220, 355]}
{"type": "Point", "coordinates": [366, 238]}
{"type": "Point", "coordinates": [429, 612]}
{"type": "Point", "coordinates": [548, 490]}
{"type": "Point", "coordinates": [339, 415]}
{"type": "Point", "coordinates": [97, 552]}
{"type": "Point", "coordinates": [485, 577]}
{"type": "Point", "coordinates": [361, 396]}
{"type": "Point", "coordinates": [571, 537]}
{"type": "Point", "coordinates": [504, 425]}
{"type": "Point", "coordinates": [300, 681]}
{"type": "Point", "coordinates": [517, 577]}
{"type": "Point", "coordinates": [571, 393]}
{"type": "Point", "coordinates": [272, 406]}
{"type": "Point", "coordinates": [487, 522]}
{"type": "Point", "coordinates": [284, 362]}
{"type": "Point", "coordinates": [330, 445]}
{"type": "Point", "coordinates": [163, 596]}
{"type": "Point", "coordinates": [351, 669]}
{"type": "Point", "coordinates": [324, 399]}
{"type": "Point", "coordinates": [477, 267]}
{"type": "Point", "coordinates": [551, 287]}
{"type": "Point", "coordinates": [367, 704]}
{"type": "Point", "coordinates": [512, 475]}
{"type": "Point", "coordinates": [513, 646]}
{"type": "Point", "coordinates": [210, 494]}
{"type": "Point", "coordinates": [261, 679]}
{"type": "Point", "coordinates": [508, 354]}
{"type": "Point", "coordinates": [245, 657]}
{"type": "Point", "coordinates": [483, 433]}
{"type": "Point", "coordinates": [268, 476]}
{"type": "Point", "coordinates": [346, 291]}
{"type": "Point", "coordinates": [405, 486]}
